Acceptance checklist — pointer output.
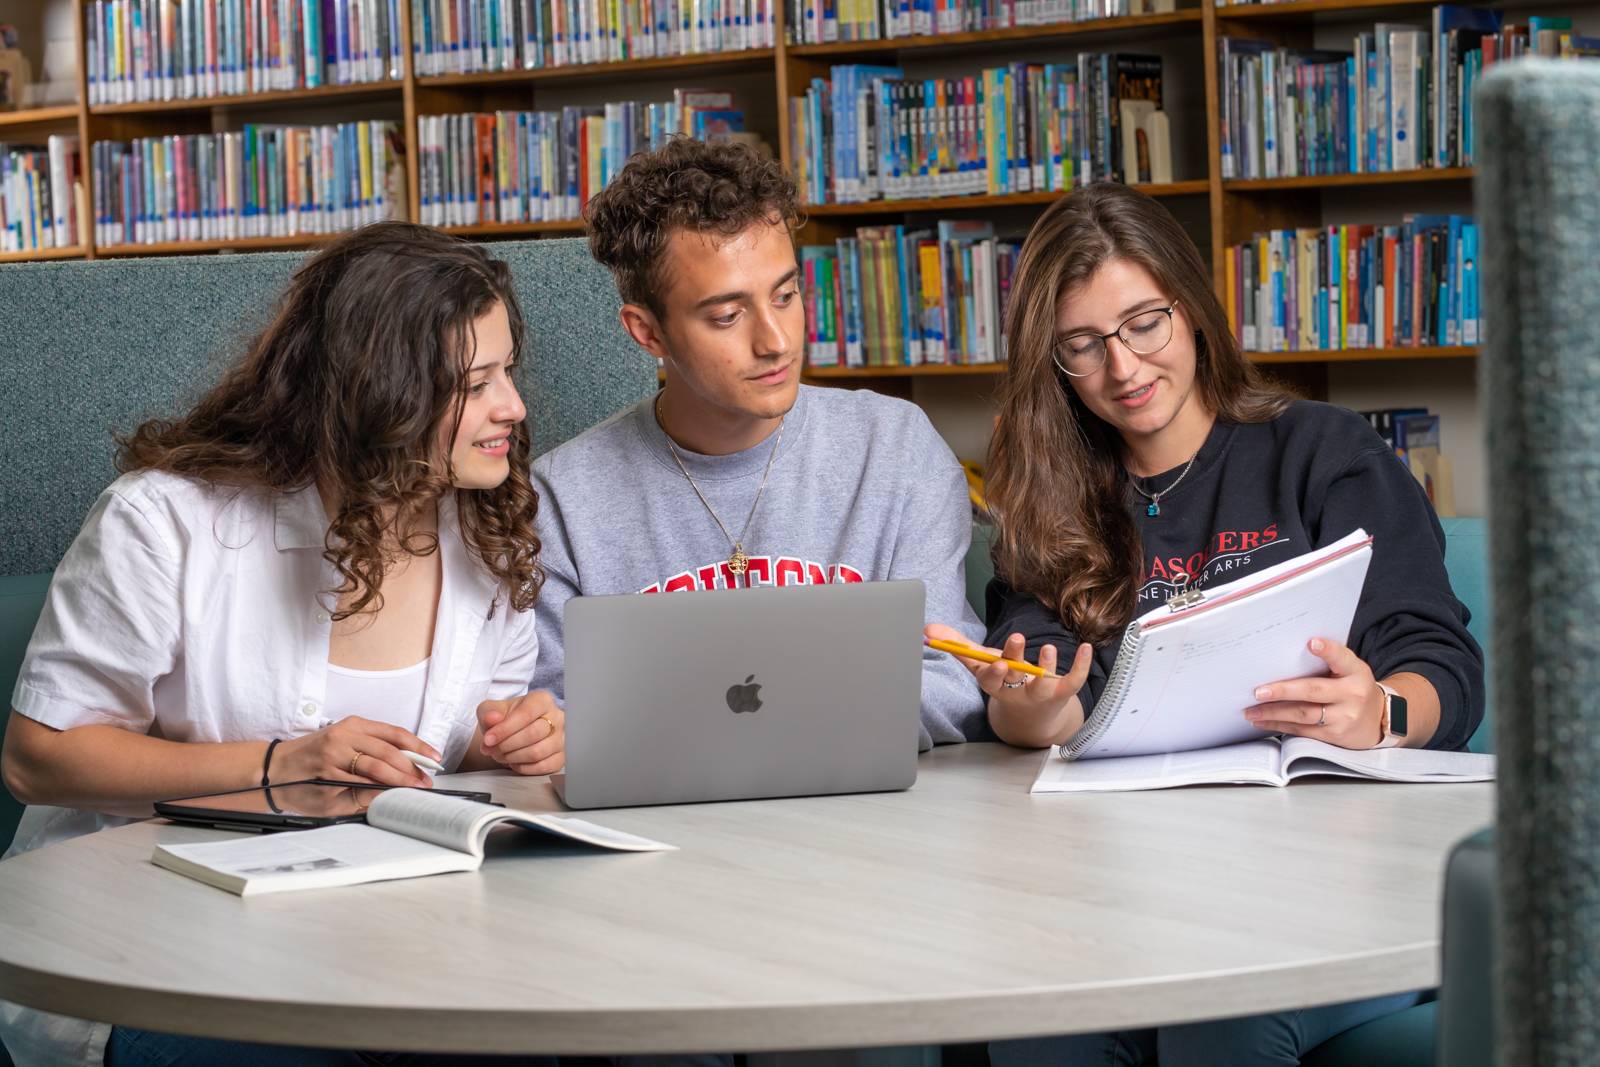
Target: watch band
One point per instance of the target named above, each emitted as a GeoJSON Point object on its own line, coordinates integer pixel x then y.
{"type": "Point", "coordinates": [1392, 722]}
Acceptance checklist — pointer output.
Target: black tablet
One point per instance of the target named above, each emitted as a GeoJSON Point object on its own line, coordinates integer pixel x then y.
{"type": "Point", "coordinates": [290, 806]}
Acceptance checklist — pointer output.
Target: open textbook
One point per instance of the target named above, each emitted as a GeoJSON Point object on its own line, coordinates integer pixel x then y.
{"type": "Point", "coordinates": [1266, 762]}
{"type": "Point", "coordinates": [1186, 672]}
{"type": "Point", "coordinates": [408, 833]}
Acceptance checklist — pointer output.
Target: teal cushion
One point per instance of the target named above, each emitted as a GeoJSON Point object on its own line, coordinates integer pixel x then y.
{"type": "Point", "coordinates": [980, 567]}
{"type": "Point", "coordinates": [21, 600]}
{"type": "Point", "coordinates": [1404, 1039]}
{"type": "Point", "coordinates": [1466, 558]}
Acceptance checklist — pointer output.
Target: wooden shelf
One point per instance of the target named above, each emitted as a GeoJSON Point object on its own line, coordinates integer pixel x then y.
{"type": "Point", "coordinates": [631, 69]}
{"type": "Point", "coordinates": [1128, 25]}
{"type": "Point", "coordinates": [39, 255]}
{"type": "Point", "coordinates": [969, 203]}
{"type": "Point", "coordinates": [40, 116]}
{"type": "Point", "coordinates": [242, 244]}
{"type": "Point", "coordinates": [926, 370]}
{"type": "Point", "coordinates": [516, 229]}
{"type": "Point", "coordinates": [1359, 355]}
{"type": "Point", "coordinates": [255, 100]}
{"type": "Point", "coordinates": [1338, 181]}
{"type": "Point", "coordinates": [1297, 9]}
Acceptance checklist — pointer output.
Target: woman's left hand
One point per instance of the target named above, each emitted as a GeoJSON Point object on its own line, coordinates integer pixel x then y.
{"type": "Point", "coordinates": [1344, 708]}
{"type": "Point", "coordinates": [528, 733]}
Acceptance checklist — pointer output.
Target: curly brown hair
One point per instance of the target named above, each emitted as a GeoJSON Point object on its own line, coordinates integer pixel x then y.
{"type": "Point", "coordinates": [1056, 484]}
{"type": "Point", "coordinates": [720, 189]}
{"type": "Point", "coordinates": [364, 358]}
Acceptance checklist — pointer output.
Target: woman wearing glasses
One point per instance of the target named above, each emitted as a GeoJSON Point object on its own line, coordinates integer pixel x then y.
{"type": "Point", "coordinates": [1137, 452]}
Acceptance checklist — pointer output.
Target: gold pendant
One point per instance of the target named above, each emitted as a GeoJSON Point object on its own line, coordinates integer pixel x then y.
{"type": "Point", "coordinates": [738, 563]}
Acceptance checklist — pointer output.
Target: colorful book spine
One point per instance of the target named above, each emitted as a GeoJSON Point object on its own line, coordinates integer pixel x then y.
{"type": "Point", "coordinates": [891, 297]}
{"type": "Point", "coordinates": [261, 181]}
{"type": "Point", "coordinates": [1356, 286]}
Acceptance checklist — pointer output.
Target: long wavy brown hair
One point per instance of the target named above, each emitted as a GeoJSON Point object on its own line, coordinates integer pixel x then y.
{"type": "Point", "coordinates": [346, 388]}
{"type": "Point", "coordinates": [1056, 483]}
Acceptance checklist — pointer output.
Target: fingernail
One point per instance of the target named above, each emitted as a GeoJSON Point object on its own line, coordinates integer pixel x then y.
{"type": "Point", "coordinates": [1316, 644]}
{"type": "Point", "coordinates": [1263, 693]}
{"type": "Point", "coordinates": [488, 739]}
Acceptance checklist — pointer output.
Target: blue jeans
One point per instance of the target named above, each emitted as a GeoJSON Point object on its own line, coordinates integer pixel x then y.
{"type": "Point", "coordinates": [1277, 1040]}
{"type": "Point", "coordinates": [128, 1047]}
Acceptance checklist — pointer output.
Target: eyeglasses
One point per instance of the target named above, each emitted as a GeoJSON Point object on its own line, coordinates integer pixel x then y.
{"type": "Point", "coordinates": [1144, 334]}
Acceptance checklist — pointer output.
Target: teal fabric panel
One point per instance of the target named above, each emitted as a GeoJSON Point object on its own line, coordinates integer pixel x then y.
{"type": "Point", "coordinates": [980, 565]}
{"type": "Point", "coordinates": [1466, 994]}
{"type": "Point", "coordinates": [1466, 558]}
{"type": "Point", "coordinates": [96, 347]}
{"type": "Point", "coordinates": [1538, 205]}
{"type": "Point", "coordinates": [21, 600]}
{"type": "Point", "coordinates": [1404, 1039]}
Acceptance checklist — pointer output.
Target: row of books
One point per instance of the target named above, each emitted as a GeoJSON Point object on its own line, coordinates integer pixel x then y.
{"type": "Point", "coordinates": [1400, 99]}
{"type": "Point", "coordinates": [143, 50]}
{"type": "Point", "coordinates": [1334, 287]}
{"type": "Point", "coordinates": [38, 195]}
{"type": "Point", "coordinates": [869, 133]}
{"type": "Point", "coordinates": [262, 181]}
{"type": "Point", "coordinates": [892, 296]}
{"type": "Point", "coordinates": [824, 21]}
{"type": "Point", "coordinates": [541, 166]}
{"type": "Point", "coordinates": [1415, 436]}
{"type": "Point", "coordinates": [469, 36]}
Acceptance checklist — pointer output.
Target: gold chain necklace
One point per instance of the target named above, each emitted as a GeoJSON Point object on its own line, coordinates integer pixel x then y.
{"type": "Point", "coordinates": [738, 562]}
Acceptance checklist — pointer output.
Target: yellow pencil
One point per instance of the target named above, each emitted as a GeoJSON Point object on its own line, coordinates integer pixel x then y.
{"type": "Point", "coordinates": [985, 656]}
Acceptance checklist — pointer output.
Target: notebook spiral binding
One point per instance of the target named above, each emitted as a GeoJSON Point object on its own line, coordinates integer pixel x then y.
{"type": "Point", "coordinates": [1116, 686]}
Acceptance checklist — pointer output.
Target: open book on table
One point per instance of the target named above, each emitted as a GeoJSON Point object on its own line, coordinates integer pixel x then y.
{"type": "Point", "coordinates": [1271, 762]}
{"type": "Point", "coordinates": [1266, 762]}
{"type": "Point", "coordinates": [408, 833]}
{"type": "Point", "coordinates": [1186, 672]}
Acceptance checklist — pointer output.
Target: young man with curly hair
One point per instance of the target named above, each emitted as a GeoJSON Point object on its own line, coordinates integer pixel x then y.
{"type": "Point", "coordinates": [734, 474]}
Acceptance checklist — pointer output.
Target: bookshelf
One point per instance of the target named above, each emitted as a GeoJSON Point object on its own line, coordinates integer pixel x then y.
{"type": "Point", "coordinates": [1234, 208]}
{"type": "Point", "coordinates": [1218, 212]}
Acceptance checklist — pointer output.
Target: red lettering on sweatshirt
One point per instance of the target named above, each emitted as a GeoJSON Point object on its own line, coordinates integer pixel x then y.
{"type": "Point", "coordinates": [759, 571]}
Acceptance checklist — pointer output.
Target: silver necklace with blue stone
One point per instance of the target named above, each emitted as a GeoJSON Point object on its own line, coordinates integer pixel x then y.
{"type": "Point", "coordinates": [1154, 507]}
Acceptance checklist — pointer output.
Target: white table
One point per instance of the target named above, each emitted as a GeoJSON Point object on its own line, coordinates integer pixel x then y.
{"type": "Point", "coordinates": [962, 910]}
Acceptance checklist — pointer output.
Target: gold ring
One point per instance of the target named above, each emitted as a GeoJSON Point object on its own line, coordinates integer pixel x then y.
{"type": "Point", "coordinates": [548, 723]}
{"type": "Point", "coordinates": [353, 760]}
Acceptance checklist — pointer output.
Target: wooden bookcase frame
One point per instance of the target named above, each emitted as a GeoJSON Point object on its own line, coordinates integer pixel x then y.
{"type": "Point", "coordinates": [1237, 208]}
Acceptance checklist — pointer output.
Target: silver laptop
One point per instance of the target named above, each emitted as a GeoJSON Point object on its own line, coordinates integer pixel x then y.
{"type": "Point", "coordinates": [737, 694]}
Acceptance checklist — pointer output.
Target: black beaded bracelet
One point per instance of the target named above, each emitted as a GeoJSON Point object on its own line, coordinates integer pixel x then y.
{"type": "Point", "coordinates": [266, 764]}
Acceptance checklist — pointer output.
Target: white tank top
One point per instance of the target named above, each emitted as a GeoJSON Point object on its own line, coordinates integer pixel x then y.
{"type": "Point", "coordinates": [382, 696]}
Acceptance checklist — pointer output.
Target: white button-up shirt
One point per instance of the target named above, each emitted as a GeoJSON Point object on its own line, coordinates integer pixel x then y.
{"type": "Point", "coordinates": [194, 612]}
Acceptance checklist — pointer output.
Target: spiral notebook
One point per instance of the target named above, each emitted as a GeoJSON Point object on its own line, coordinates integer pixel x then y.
{"type": "Point", "coordinates": [1185, 672]}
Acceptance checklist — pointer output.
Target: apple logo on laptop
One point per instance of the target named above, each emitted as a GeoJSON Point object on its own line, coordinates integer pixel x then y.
{"type": "Point", "coordinates": [744, 698]}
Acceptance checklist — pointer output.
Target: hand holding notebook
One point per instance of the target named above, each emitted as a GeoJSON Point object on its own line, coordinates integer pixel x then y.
{"type": "Point", "coordinates": [1185, 673]}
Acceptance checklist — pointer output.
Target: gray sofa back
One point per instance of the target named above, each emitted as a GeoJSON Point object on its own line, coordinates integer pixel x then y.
{"type": "Point", "coordinates": [96, 347]}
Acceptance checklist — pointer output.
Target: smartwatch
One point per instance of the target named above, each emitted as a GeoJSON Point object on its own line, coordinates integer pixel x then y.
{"type": "Point", "coordinates": [1392, 724]}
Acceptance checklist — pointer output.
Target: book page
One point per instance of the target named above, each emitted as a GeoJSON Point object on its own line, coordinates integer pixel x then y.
{"type": "Point", "coordinates": [1196, 674]}
{"type": "Point", "coordinates": [1304, 756]}
{"type": "Point", "coordinates": [343, 854]}
{"type": "Point", "coordinates": [462, 824]}
{"type": "Point", "coordinates": [1254, 762]}
{"type": "Point", "coordinates": [583, 830]}
{"type": "Point", "coordinates": [450, 822]}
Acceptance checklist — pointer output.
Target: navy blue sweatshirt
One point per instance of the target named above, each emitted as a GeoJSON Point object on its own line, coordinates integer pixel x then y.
{"type": "Point", "coordinates": [1261, 493]}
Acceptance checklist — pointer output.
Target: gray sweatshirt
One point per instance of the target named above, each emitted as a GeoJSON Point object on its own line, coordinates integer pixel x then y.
{"type": "Point", "coordinates": [862, 489]}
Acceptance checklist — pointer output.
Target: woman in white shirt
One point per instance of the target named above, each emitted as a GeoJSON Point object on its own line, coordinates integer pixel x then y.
{"type": "Point", "coordinates": [329, 560]}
